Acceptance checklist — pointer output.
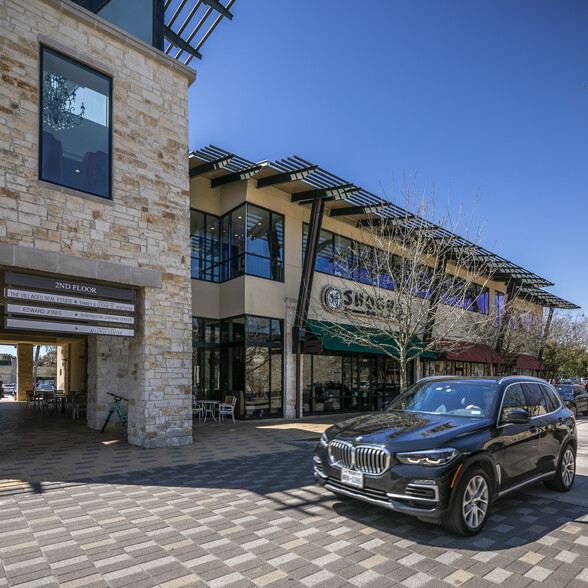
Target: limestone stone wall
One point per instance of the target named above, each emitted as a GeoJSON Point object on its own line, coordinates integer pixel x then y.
{"type": "Point", "coordinates": [144, 226]}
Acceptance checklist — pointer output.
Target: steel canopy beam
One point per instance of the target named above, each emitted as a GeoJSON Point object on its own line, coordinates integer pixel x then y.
{"type": "Point", "coordinates": [243, 174]}
{"type": "Point", "coordinates": [211, 166]}
{"type": "Point", "coordinates": [219, 8]}
{"type": "Point", "coordinates": [179, 42]}
{"type": "Point", "coordinates": [332, 193]}
{"type": "Point", "coordinates": [352, 210]}
{"type": "Point", "coordinates": [285, 177]}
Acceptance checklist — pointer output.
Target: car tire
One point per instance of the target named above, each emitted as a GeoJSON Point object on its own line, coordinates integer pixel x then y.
{"type": "Point", "coordinates": [566, 471]}
{"type": "Point", "coordinates": [471, 503]}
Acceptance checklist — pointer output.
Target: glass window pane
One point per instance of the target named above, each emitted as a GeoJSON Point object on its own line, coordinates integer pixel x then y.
{"type": "Point", "coordinates": [324, 258]}
{"type": "Point", "coordinates": [238, 329]}
{"type": "Point", "coordinates": [75, 126]}
{"type": "Point", "coordinates": [257, 382]}
{"type": "Point", "coordinates": [276, 334]}
{"type": "Point", "coordinates": [258, 231]}
{"type": "Point", "coordinates": [133, 16]}
{"type": "Point", "coordinates": [237, 234]}
{"type": "Point", "coordinates": [258, 328]}
{"type": "Point", "coordinates": [258, 266]}
{"type": "Point", "coordinates": [514, 398]}
{"type": "Point", "coordinates": [343, 257]}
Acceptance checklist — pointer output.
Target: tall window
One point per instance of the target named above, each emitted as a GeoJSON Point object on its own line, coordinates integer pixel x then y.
{"type": "Point", "coordinates": [248, 240]}
{"type": "Point", "coordinates": [75, 125]}
{"type": "Point", "coordinates": [205, 244]}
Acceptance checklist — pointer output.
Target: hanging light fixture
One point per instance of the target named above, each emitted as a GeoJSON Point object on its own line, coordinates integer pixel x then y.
{"type": "Point", "coordinates": [58, 104]}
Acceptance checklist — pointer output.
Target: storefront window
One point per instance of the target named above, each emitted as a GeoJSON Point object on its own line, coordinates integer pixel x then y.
{"type": "Point", "coordinates": [240, 356]}
{"type": "Point", "coordinates": [348, 383]}
{"type": "Point", "coordinates": [75, 125]}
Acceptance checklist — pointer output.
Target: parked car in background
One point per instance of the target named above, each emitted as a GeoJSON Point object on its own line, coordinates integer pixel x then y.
{"type": "Point", "coordinates": [9, 389]}
{"type": "Point", "coordinates": [448, 447]}
{"type": "Point", "coordinates": [574, 397]}
{"type": "Point", "coordinates": [46, 387]}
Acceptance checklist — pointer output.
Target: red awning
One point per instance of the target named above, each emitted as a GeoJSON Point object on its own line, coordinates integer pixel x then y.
{"type": "Point", "coordinates": [464, 351]}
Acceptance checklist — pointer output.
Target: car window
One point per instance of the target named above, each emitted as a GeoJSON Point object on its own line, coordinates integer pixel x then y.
{"type": "Point", "coordinates": [514, 398]}
{"type": "Point", "coordinates": [551, 401]}
{"type": "Point", "coordinates": [564, 390]}
{"type": "Point", "coordinates": [578, 391]}
{"type": "Point", "coordinates": [535, 400]}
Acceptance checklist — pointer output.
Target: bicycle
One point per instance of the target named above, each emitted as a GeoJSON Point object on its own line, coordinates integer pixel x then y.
{"type": "Point", "coordinates": [124, 418]}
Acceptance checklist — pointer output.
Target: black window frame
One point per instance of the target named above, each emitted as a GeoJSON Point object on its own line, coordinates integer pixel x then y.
{"type": "Point", "coordinates": [43, 49]}
{"type": "Point", "coordinates": [233, 265]}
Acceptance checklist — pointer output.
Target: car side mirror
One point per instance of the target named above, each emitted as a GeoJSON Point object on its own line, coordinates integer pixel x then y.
{"type": "Point", "coordinates": [518, 417]}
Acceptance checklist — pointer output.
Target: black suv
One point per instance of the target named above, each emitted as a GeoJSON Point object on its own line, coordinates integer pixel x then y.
{"type": "Point", "coordinates": [447, 447]}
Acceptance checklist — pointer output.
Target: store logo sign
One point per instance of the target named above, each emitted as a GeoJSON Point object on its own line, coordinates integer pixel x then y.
{"type": "Point", "coordinates": [355, 301]}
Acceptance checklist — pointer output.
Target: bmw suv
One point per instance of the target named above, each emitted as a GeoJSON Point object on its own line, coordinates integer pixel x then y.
{"type": "Point", "coordinates": [448, 447]}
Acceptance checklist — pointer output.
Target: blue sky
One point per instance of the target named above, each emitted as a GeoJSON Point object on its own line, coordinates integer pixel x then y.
{"type": "Point", "coordinates": [484, 101]}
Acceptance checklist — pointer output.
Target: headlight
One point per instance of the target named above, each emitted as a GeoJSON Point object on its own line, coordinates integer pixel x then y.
{"type": "Point", "coordinates": [433, 457]}
{"type": "Point", "coordinates": [324, 442]}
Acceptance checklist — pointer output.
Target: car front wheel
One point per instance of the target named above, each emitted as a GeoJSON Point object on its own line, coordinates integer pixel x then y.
{"type": "Point", "coordinates": [566, 471]}
{"type": "Point", "coordinates": [471, 504]}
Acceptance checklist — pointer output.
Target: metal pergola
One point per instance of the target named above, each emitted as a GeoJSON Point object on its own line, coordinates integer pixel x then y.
{"type": "Point", "coordinates": [309, 184]}
{"type": "Point", "coordinates": [180, 27]}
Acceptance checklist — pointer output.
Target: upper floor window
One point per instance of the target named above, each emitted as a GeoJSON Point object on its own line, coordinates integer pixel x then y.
{"type": "Point", "coordinates": [75, 125]}
{"type": "Point", "coordinates": [248, 240]}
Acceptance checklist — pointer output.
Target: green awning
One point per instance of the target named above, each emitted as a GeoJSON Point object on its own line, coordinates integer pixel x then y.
{"type": "Point", "coordinates": [331, 342]}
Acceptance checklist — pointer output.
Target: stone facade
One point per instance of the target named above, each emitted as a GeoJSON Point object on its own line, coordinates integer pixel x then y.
{"type": "Point", "coordinates": [144, 227]}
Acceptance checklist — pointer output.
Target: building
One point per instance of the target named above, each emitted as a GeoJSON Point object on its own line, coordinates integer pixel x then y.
{"type": "Point", "coordinates": [107, 233]}
{"type": "Point", "coordinates": [94, 194]}
{"type": "Point", "coordinates": [251, 224]}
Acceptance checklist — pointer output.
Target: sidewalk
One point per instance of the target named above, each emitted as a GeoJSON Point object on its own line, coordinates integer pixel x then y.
{"type": "Point", "coordinates": [240, 508]}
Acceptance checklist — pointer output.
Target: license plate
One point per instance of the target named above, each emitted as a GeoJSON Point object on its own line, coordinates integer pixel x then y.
{"type": "Point", "coordinates": [352, 478]}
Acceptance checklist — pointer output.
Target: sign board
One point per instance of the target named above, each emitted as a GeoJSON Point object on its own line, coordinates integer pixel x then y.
{"type": "Point", "coordinates": [18, 323]}
{"type": "Point", "coordinates": [356, 301]}
{"type": "Point", "coordinates": [67, 306]}
{"type": "Point", "coordinates": [79, 315]}
{"type": "Point", "coordinates": [68, 286]}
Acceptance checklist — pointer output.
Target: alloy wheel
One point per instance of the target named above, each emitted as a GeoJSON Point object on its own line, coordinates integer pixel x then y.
{"type": "Point", "coordinates": [475, 502]}
{"type": "Point", "coordinates": [568, 467]}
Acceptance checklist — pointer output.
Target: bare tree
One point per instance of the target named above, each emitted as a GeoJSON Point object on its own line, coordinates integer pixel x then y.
{"type": "Point", "coordinates": [514, 327]}
{"type": "Point", "coordinates": [411, 283]}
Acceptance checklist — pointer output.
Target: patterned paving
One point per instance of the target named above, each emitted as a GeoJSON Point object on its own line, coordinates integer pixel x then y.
{"type": "Point", "coordinates": [239, 508]}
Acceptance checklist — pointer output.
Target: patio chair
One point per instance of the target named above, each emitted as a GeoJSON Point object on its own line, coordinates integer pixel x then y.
{"type": "Point", "coordinates": [79, 404]}
{"type": "Point", "coordinates": [227, 408]}
{"type": "Point", "coordinates": [31, 398]}
{"type": "Point", "coordinates": [197, 409]}
{"type": "Point", "coordinates": [48, 400]}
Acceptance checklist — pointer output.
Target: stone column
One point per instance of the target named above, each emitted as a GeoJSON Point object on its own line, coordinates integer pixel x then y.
{"type": "Point", "coordinates": [290, 363]}
{"type": "Point", "coordinates": [24, 378]}
{"type": "Point", "coordinates": [161, 356]}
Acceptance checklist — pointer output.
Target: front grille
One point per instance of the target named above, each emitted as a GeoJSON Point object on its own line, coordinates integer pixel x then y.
{"type": "Point", "coordinates": [363, 458]}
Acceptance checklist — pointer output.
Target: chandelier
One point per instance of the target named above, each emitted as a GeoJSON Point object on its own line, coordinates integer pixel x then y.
{"type": "Point", "coordinates": [58, 104]}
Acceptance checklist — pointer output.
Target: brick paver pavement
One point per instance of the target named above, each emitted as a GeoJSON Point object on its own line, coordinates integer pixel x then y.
{"type": "Point", "coordinates": [239, 508]}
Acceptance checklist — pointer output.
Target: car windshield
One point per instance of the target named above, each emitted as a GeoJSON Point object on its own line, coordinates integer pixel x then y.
{"type": "Point", "coordinates": [461, 398]}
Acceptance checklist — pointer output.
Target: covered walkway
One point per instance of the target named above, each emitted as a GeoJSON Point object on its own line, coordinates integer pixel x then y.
{"type": "Point", "coordinates": [40, 448]}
